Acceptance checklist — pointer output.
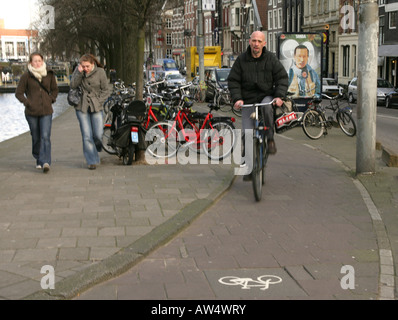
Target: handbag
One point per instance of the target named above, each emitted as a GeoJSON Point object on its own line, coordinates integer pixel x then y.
{"type": "Point", "coordinates": [74, 96]}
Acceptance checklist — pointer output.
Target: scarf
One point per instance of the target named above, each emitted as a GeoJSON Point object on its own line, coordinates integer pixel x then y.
{"type": "Point", "coordinates": [38, 73]}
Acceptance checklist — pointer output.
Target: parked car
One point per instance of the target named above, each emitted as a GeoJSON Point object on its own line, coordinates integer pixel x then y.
{"type": "Point", "coordinates": [215, 78]}
{"type": "Point", "coordinates": [392, 100]}
{"type": "Point", "coordinates": [384, 89]}
{"type": "Point", "coordinates": [175, 80]}
{"type": "Point", "coordinates": [330, 87]}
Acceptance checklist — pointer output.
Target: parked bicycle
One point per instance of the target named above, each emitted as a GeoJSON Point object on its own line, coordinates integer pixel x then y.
{"type": "Point", "coordinates": [222, 98]}
{"type": "Point", "coordinates": [341, 116]}
{"type": "Point", "coordinates": [215, 136]}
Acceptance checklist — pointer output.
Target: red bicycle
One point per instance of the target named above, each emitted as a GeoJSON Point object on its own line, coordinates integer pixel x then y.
{"type": "Point", "coordinates": [213, 135]}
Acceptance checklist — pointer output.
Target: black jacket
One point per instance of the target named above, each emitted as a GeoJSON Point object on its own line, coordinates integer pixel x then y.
{"type": "Point", "coordinates": [252, 79]}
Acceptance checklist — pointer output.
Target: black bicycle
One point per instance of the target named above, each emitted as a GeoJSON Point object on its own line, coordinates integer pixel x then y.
{"type": "Point", "coordinates": [260, 147]}
{"type": "Point", "coordinates": [320, 123]}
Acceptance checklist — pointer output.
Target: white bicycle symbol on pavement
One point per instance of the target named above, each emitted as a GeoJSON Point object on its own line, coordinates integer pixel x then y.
{"type": "Point", "coordinates": [247, 283]}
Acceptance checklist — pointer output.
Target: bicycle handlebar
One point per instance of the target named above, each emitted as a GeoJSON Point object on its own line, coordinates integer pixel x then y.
{"type": "Point", "coordinates": [258, 104]}
{"type": "Point", "coordinates": [332, 98]}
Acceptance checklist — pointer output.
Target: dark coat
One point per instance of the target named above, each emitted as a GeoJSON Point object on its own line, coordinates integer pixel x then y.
{"type": "Point", "coordinates": [95, 89]}
{"type": "Point", "coordinates": [36, 100]}
{"type": "Point", "coordinates": [251, 79]}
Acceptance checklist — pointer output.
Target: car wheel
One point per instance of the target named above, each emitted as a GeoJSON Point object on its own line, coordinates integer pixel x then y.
{"type": "Point", "coordinates": [350, 98]}
{"type": "Point", "coordinates": [388, 102]}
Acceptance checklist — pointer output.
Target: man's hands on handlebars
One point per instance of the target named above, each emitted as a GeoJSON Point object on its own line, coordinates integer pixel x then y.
{"type": "Point", "coordinates": [278, 102]}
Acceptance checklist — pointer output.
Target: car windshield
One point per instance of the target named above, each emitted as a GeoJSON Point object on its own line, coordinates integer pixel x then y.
{"type": "Point", "coordinates": [330, 82]}
{"type": "Point", "coordinates": [222, 75]}
{"type": "Point", "coordinates": [384, 84]}
{"type": "Point", "coordinates": [174, 76]}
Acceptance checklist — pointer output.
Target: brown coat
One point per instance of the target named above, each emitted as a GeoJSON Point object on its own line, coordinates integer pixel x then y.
{"type": "Point", "coordinates": [36, 100]}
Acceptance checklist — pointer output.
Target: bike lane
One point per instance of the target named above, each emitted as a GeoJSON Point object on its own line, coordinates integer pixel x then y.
{"type": "Point", "coordinates": [311, 237]}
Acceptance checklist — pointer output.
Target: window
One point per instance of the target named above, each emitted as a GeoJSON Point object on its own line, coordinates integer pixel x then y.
{"type": "Point", "coordinates": [168, 39]}
{"type": "Point", "coordinates": [269, 20]}
{"type": "Point", "coordinates": [21, 49]}
{"type": "Point", "coordinates": [9, 49]}
{"type": "Point", "coordinates": [237, 17]}
{"type": "Point", "coordinates": [280, 18]}
{"type": "Point", "coordinates": [346, 61]}
{"type": "Point", "coordinates": [169, 23]}
{"type": "Point", "coordinates": [392, 17]}
{"type": "Point", "coordinates": [381, 29]}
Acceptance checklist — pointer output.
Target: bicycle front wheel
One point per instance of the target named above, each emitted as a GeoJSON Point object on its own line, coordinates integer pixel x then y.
{"type": "Point", "coordinates": [219, 141]}
{"type": "Point", "coordinates": [257, 171]}
{"type": "Point", "coordinates": [346, 123]}
{"type": "Point", "coordinates": [313, 124]}
{"type": "Point", "coordinates": [163, 140]}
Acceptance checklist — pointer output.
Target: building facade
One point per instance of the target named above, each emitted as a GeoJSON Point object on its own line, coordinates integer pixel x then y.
{"type": "Point", "coordinates": [232, 22]}
{"type": "Point", "coordinates": [16, 44]}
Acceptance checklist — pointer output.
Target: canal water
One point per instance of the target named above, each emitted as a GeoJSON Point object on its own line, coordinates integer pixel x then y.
{"type": "Point", "coordinates": [13, 122]}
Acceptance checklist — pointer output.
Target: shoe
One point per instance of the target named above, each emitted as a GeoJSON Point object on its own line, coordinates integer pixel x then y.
{"type": "Point", "coordinates": [92, 166]}
{"type": "Point", "coordinates": [38, 167]}
{"type": "Point", "coordinates": [271, 147]}
{"type": "Point", "coordinates": [46, 167]}
{"type": "Point", "coordinates": [247, 177]}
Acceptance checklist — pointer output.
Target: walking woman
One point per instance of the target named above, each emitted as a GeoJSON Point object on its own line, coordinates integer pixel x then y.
{"type": "Point", "coordinates": [91, 77]}
{"type": "Point", "coordinates": [37, 90]}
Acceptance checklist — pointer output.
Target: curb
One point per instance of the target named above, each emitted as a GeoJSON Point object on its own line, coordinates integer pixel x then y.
{"type": "Point", "coordinates": [129, 256]}
{"type": "Point", "coordinates": [387, 155]}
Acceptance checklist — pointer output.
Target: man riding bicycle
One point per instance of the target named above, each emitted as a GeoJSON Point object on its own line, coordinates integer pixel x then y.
{"type": "Point", "coordinates": [257, 76]}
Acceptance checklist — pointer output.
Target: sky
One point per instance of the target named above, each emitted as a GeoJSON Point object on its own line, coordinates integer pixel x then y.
{"type": "Point", "coordinates": [17, 14]}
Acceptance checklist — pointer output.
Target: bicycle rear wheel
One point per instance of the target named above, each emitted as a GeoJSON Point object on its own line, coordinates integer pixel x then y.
{"type": "Point", "coordinates": [346, 123]}
{"type": "Point", "coordinates": [313, 124]}
{"type": "Point", "coordinates": [106, 141]}
{"type": "Point", "coordinates": [257, 171]}
{"type": "Point", "coordinates": [224, 102]}
{"type": "Point", "coordinates": [219, 141]}
{"type": "Point", "coordinates": [163, 140]}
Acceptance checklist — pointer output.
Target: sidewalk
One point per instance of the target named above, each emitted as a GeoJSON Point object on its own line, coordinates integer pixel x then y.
{"type": "Point", "coordinates": [315, 218]}
{"type": "Point", "coordinates": [91, 226]}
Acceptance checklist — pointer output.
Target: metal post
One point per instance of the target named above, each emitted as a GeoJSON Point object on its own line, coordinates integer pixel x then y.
{"type": "Point", "coordinates": [367, 86]}
{"type": "Point", "coordinates": [201, 47]}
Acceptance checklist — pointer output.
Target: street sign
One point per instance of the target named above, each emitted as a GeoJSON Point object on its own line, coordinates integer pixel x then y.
{"type": "Point", "coordinates": [209, 5]}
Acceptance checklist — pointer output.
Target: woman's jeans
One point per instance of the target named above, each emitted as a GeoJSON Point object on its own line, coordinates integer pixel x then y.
{"type": "Point", "coordinates": [40, 130]}
{"type": "Point", "coordinates": [91, 127]}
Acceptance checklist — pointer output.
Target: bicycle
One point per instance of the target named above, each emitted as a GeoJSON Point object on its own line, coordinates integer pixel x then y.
{"type": "Point", "coordinates": [288, 116]}
{"type": "Point", "coordinates": [222, 98]}
{"type": "Point", "coordinates": [260, 147]}
{"type": "Point", "coordinates": [316, 124]}
{"type": "Point", "coordinates": [198, 131]}
{"type": "Point", "coordinates": [341, 115]}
